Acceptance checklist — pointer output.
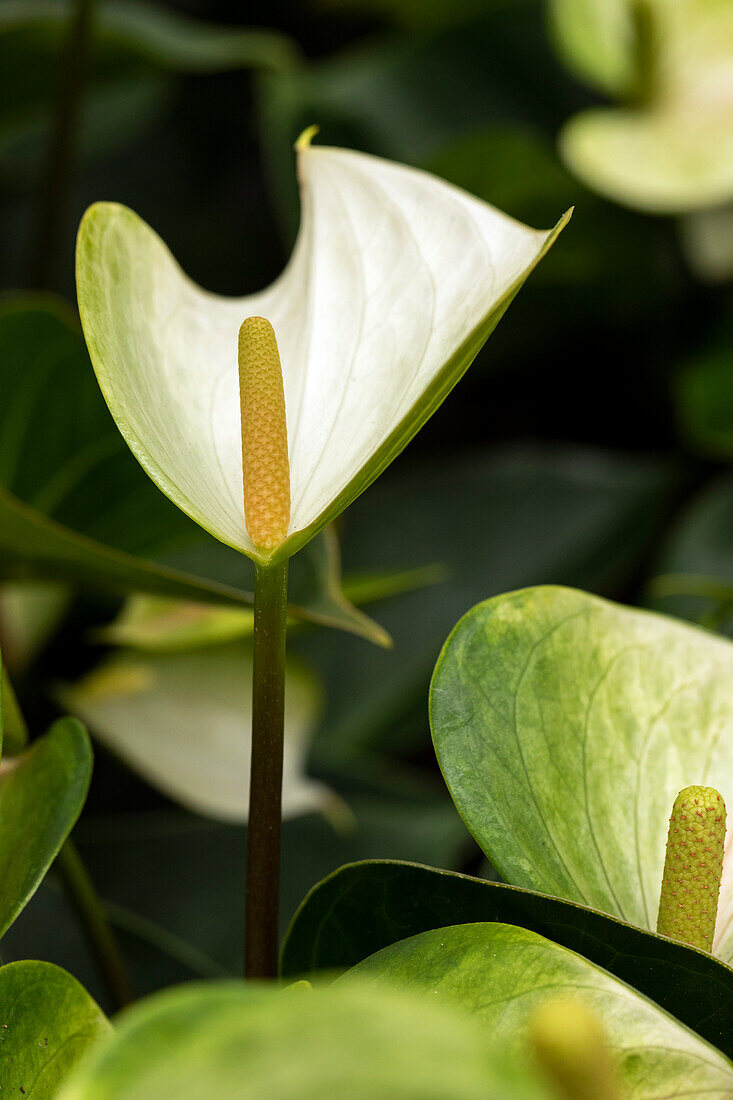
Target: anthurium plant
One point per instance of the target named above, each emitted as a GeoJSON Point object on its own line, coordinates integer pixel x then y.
{"type": "Point", "coordinates": [472, 843]}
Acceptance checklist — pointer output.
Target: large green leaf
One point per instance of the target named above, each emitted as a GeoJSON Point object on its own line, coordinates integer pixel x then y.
{"type": "Point", "coordinates": [183, 721]}
{"type": "Point", "coordinates": [495, 519]}
{"type": "Point", "coordinates": [565, 727]}
{"type": "Point", "coordinates": [42, 792]}
{"type": "Point", "coordinates": [59, 454]}
{"type": "Point", "coordinates": [49, 1022]}
{"type": "Point", "coordinates": [365, 907]}
{"type": "Point", "coordinates": [502, 974]}
{"type": "Point", "coordinates": [238, 1042]}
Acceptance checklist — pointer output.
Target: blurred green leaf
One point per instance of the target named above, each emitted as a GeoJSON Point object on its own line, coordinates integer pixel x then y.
{"type": "Point", "coordinates": [14, 729]}
{"type": "Point", "coordinates": [694, 567]}
{"type": "Point", "coordinates": [49, 1022]}
{"type": "Point", "coordinates": [595, 40]}
{"type": "Point", "coordinates": [501, 974]}
{"type": "Point", "coordinates": [340, 923]}
{"type": "Point", "coordinates": [241, 1042]}
{"type": "Point", "coordinates": [136, 48]}
{"type": "Point", "coordinates": [565, 727]}
{"type": "Point", "coordinates": [183, 722]}
{"type": "Point", "coordinates": [703, 393]}
{"type": "Point", "coordinates": [42, 792]}
{"type": "Point", "coordinates": [495, 520]}
{"type": "Point", "coordinates": [60, 452]}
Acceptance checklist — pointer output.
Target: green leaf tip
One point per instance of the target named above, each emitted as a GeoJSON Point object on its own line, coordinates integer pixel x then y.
{"type": "Point", "coordinates": [265, 463]}
{"type": "Point", "coordinates": [693, 867]}
{"type": "Point", "coordinates": [569, 1045]}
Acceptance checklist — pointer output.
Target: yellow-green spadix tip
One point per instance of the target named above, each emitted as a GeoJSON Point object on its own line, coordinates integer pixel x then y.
{"type": "Point", "coordinates": [265, 463]}
{"type": "Point", "coordinates": [693, 867]}
{"type": "Point", "coordinates": [570, 1047]}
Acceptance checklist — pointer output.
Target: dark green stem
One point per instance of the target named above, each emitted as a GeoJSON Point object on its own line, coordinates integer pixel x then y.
{"type": "Point", "coordinates": [90, 913]}
{"type": "Point", "coordinates": [265, 797]}
{"type": "Point", "coordinates": [55, 184]}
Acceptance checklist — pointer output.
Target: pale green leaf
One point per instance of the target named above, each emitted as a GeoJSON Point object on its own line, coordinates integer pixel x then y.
{"type": "Point", "coordinates": [42, 792]}
{"type": "Point", "coordinates": [48, 1022]}
{"type": "Point", "coordinates": [566, 725]}
{"type": "Point", "coordinates": [183, 722]}
{"type": "Point", "coordinates": [501, 974]}
{"type": "Point", "coordinates": [595, 39]}
{"type": "Point", "coordinates": [396, 281]}
{"type": "Point", "coordinates": [241, 1042]}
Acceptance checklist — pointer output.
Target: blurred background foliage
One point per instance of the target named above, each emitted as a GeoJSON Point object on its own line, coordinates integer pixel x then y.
{"type": "Point", "coordinates": [590, 444]}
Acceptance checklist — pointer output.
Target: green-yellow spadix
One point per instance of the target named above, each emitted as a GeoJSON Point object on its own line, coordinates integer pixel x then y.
{"type": "Point", "coordinates": [396, 281]}
{"type": "Point", "coordinates": [693, 867]}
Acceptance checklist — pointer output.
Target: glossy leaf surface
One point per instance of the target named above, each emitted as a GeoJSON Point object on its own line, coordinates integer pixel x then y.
{"type": "Point", "coordinates": [566, 726]}
{"type": "Point", "coordinates": [48, 1024]}
{"type": "Point", "coordinates": [42, 792]}
{"type": "Point", "coordinates": [365, 907]}
{"type": "Point", "coordinates": [501, 974]}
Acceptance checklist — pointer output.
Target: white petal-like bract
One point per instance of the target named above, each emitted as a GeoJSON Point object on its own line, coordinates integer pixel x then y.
{"type": "Point", "coordinates": [396, 280]}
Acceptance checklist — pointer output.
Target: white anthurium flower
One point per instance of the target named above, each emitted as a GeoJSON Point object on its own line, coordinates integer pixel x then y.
{"type": "Point", "coordinates": [395, 282]}
{"type": "Point", "coordinates": [669, 148]}
{"type": "Point", "coordinates": [176, 719]}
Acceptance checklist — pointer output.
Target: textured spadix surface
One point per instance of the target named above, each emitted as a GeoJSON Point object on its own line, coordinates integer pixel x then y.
{"type": "Point", "coordinates": [566, 726]}
{"type": "Point", "coordinates": [396, 281]}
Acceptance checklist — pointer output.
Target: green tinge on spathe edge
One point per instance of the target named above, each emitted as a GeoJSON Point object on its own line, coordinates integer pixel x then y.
{"type": "Point", "coordinates": [693, 868]}
{"type": "Point", "coordinates": [570, 1046]}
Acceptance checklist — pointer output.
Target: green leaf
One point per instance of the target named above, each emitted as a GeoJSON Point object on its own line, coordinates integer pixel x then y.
{"type": "Point", "coordinates": [48, 1023]}
{"type": "Point", "coordinates": [155, 339]}
{"type": "Point", "coordinates": [365, 907]}
{"type": "Point", "coordinates": [501, 974]}
{"type": "Point", "coordinates": [565, 727]}
{"type": "Point", "coordinates": [703, 393]}
{"type": "Point", "coordinates": [238, 1042]}
{"type": "Point", "coordinates": [594, 39]}
{"type": "Point", "coordinates": [566, 515]}
{"type": "Point", "coordinates": [42, 792]}
{"type": "Point", "coordinates": [57, 517]}
{"type": "Point", "coordinates": [183, 722]}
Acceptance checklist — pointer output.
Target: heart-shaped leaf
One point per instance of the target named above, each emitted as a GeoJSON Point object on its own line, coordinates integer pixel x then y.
{"type": "Point", "coordinates": [239, 1042]}
{"type": "Point", "coordinates": [57, 516]}
{"type": "Point", "coordinates": [566, 726]}
{"type": "Point", "coordinates": [47, 1024]}
{"type": "Point", "coordinates": [365, 907]}
{"type": "Point", "coordinates": [42, 792]}
{"type": "Point", "coordinates": [182, 720]}
{"type": "Point", "coordinates": [502, 974]}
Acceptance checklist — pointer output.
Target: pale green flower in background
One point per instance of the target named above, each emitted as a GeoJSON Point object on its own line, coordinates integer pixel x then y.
{"type": "Point", "coordinates": [667, 148]}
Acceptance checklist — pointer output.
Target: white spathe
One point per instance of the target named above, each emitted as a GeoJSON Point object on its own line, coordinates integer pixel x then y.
{"type": "Point", "coordinates": [396, 280]}
{"type": "Point", "coordinates": [182, 721]}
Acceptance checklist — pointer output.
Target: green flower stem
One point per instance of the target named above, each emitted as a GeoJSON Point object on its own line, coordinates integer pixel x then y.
{"type": "Point", "coordinates": [55, 184]}
{"type": "Point", "coordinates": [265, 798]}
{"type": "Point", "coordinates": [90, 913]}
